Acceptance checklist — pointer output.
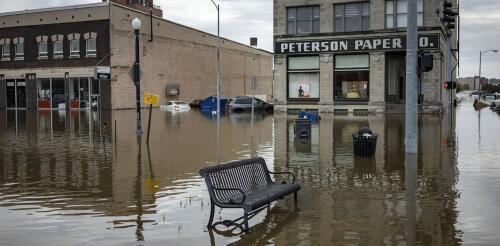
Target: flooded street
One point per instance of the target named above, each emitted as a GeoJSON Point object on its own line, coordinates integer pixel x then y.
{"type": "Point", "coordinates": [73, 180]}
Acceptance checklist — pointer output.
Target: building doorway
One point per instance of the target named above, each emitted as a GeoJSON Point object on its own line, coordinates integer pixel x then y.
{"type": "Point", "coordinates": [395, 78]}
{"type": "Point", "coordinates": [16, 93]}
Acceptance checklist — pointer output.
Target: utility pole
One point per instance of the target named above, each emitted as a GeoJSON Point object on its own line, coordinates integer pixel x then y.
{"type": "Point", "coordinates": [411, 116]}
{"type": "Point", "coordinates": [217, 6]}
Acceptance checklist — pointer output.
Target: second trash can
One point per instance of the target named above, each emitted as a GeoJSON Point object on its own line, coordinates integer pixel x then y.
{"type": "Point", "coordinates": [302, 128]}
{"type": "Point", "coordinates": [364, 142]}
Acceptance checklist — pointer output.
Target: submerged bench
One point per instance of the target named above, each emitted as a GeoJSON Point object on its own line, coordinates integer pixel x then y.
{"type": "Point", "coordinates": [245, 184]}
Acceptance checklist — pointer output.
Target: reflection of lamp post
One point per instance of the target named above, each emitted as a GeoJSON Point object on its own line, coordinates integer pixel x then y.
{"type": "Point", "coordinates": [217, 6]}
{"type": "Point", "coordinates": [481, 53]}
{"type": "Point", "coordinates": [136, 25]}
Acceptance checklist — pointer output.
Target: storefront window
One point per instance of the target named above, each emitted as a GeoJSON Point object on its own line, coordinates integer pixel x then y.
{"type": "Point", "coordinates": [303, 77]}
{"type": "Point", "coordinates": [43, 86]}
{"type": "Point", "coordinates": [351, 76]}
{"type": "Point", "coordinates": [58, 97]}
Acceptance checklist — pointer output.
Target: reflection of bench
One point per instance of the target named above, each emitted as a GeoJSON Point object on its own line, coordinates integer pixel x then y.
{"type": "Point", "coordinates": [245, 184]}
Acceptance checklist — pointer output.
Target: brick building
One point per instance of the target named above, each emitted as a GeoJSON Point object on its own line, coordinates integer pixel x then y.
{"type": "Point", "coordinates": [49, 58]}
{"type": "Point", "coordinates": [344, 56]}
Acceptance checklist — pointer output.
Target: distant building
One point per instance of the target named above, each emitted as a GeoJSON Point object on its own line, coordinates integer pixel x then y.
{"type": "Point", "coordinates": [49, 58]}
{"type": "Point", "coordinates": [349, 56]}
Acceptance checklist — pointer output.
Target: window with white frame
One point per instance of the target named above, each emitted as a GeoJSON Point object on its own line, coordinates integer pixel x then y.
{"type": "Point", "coordinates": [303, 77]}
{"type": "Point", "coordinates": [43, 51]}
{"type": "Point", "coordinates": [74, 45]}
{"type": "Point", "coordinates": [303, 20]}
{"type": "Point", "coordinates": [396, 13]}
{"type": "Point", "coordinates": [351, 17]}
{"type": "Point", "coordinates": [57, 46]}
{"type": "Point", "coordinates": [90, 44]}
{"type": "Point", "coordinates": [5, 49]}
{"type": "Point", "coordinates": [19, 48]}
{"type": "Point", "coordinates": [351, 76]}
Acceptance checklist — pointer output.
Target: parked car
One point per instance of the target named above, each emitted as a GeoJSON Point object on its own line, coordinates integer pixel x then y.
{"type": "Point", "coordinates": [175, 106]}
{"type": "Point", "coordinates": [494, 104]}
{"type": "Point", "coordinates": [241, 104]}
{"type": "Point", "coordinates": [196, 103]}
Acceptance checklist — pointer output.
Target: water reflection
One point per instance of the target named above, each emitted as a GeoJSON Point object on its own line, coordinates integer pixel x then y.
{"type": "Point", "coordinates": [84, 178]}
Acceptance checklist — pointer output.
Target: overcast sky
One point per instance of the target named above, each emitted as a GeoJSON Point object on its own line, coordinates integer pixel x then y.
{"type": "Point", "coordinates": [242, 19]}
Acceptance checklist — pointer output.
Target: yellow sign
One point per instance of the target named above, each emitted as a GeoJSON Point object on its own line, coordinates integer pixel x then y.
{"type": "Point", "coordinates": [151, 99]}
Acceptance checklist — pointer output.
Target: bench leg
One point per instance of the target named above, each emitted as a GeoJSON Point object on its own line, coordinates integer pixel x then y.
{"type": "Point", "coordinates": [210, 220]}
{"type": "Point", "coordinates": [295, 196]}
{"type": "Point", "coordinates": [245, 217]}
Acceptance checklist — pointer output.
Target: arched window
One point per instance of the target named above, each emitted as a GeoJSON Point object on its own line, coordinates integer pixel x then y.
{"type": "Point", "coordinates": [43, 51]}
{"type": "Point", "coordinates": [57, 46]}
{"type": "Point", "coordinates": [5, 49]}
{"type": "Point", "coordinates": [74, 45]}
{"type": "Point", "coordinates": [90, 44]}
{"type": "Point", "coordinates": [19, 48]}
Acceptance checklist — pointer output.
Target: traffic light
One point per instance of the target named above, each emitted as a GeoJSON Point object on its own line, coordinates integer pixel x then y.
{"type": "Point", "coordinates": [449, 16]}
{"type": "Point", "coordinates": [450, 85]}
{"type": "Point", "coordinates": [425, 62]}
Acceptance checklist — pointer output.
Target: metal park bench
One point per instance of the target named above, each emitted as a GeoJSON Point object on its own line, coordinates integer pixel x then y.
{"type": "Point", "coordinates": [245, 184]}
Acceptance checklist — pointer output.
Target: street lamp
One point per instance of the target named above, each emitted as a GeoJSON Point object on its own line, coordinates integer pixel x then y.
{"type": "Point", "coordinates": [481, 53]}
{"type": "Point", "coordinates": [217, 6]}
{"type": "Point", "coordinates": [136, 25]}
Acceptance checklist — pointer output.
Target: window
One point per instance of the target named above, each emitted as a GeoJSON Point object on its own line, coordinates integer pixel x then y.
{"type": "Point", "coordinates": [19, 51]}
{"type": "Point", "coordinates": [352, 17]}
{"type": "Point", "coordinates": [18, 48]}
{"type": "Point", "coordinates": [351, 76]}
{"type": "Point", "coordinates": [91, 47]}
{"type": "Point", "coordinates": [303, 77]}
{"type": "Point", "coordinates": [74, 48]}
{"type": "Point", "coordinates": [90, 44]}
{"type": "Point", "coordinates": [5, 49]}
{"type": "Point", "coordinates": [303, 20]}
{"type": "Point", "coordinates": [58, 49]}
{"type": "Point", "coordinates": [396, 13]}
{"type": "Point", "coordinates": [43, 52]}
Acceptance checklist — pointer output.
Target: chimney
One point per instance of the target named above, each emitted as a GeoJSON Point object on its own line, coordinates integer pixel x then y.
{"type": "Point", "coordinates": [142, 5]}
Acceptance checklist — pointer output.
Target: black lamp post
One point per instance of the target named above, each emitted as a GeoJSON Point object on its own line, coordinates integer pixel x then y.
{"type": "Point", "coordinates": [136, 25]}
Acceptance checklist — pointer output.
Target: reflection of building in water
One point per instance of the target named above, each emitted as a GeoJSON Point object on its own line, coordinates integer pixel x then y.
{"type": "Point", "coordinates": [346, 200]}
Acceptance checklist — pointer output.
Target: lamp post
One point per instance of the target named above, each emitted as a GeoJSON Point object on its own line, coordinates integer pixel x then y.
{"type": "Point", "coordinates": [217, 6]}
{"type": "Point", "coordinates": [481, 53]}
{"type": "Point", "coordinates": [136, 25]}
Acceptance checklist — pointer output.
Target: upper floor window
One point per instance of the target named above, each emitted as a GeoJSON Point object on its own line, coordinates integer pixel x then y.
{"type": "Point", "coordinates": [90, 44]}
{"type": "Point", "coordinates": [19, 48]}
{"type": "Point", "coordinates": [396, 13]}
{"type": "Point", "coordinates": [43, 52]}
{"type": "Point", "coordinates": [351, 17]}
{"type": "Point", "coordinates": [5, 49]}
{"type": "Point", "coordinates": [57, 45]}
{"type": "Point", "coordinates": [74, 45]}
{"type": "Point", "coordinates": [303, 20]}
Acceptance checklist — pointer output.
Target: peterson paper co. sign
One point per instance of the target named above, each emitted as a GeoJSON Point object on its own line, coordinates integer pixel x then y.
{"type": "Point", "coordinates": [359, 44]}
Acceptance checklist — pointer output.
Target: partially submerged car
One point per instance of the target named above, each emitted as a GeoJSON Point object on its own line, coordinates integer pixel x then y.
{"type": "Point", "coordinates": [242, 104]}
{"type": "Point", "coordinates": [175, 106]}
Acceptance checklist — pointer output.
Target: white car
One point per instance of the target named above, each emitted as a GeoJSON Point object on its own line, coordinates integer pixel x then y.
{"type": "Point", "coordinates": [175, 106]}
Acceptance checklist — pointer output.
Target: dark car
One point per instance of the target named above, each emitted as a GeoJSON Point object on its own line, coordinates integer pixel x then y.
{"type": "Point", "coordinates": [242, 104]}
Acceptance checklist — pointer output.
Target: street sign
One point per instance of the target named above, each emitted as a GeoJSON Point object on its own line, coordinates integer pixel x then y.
{"type": "Point", "coordinates": [132, 75]}
{"type": "Point", "coordinates": [151, 99]}
{"type": "Point", "coordinates": [102, 72]}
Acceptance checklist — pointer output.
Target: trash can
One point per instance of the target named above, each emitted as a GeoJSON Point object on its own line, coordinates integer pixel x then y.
{"type": "Point", "coordinates": [364, 142]}
{"type": "Point", "coordinates": [302, 128]}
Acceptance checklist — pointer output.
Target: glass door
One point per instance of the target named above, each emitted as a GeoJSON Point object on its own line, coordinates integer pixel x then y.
{"type": "Point", "coordinates": [16, 93]}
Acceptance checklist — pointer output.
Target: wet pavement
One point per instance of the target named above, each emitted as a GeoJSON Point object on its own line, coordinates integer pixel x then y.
{"type": "Point", "coordinates": [70, 179]}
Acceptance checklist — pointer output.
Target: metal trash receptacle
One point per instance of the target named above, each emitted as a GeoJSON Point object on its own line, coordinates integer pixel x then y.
{"type": "Point", "coordinates": [364, 142]}
{"type": "Point", "coordinates": [302, 128]}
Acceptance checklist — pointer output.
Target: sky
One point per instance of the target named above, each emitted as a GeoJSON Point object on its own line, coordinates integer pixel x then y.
{"type": "Point", "coordinates": [242, 19]}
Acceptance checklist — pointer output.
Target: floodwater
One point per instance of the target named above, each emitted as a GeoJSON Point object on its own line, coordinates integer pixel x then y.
{"type": "Point", "coordinates": [70, 179]}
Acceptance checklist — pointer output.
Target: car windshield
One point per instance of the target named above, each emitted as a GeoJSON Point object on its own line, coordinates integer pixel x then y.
{"type": "Point", "coordinates": [180, 103]}
{"type": "Point", "coordinates": [243, 101]}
